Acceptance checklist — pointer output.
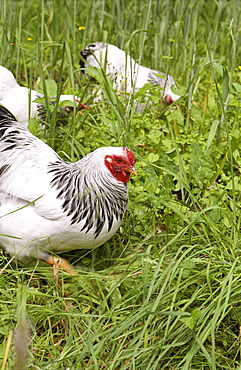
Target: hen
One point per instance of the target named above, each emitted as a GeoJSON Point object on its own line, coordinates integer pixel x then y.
{"type": "Point", "coordinates": [49, 205]}
{"type": "Point", "coordinates": [19, 100]}
{"type": "Point", "coordinates": [127, 75]}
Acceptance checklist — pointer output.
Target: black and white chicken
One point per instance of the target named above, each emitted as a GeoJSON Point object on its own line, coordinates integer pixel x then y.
{"type": "Point", "coordinates": [126, 74]}
{"type": "Point", "coordinates": [48, 205]}
{"type": "Point", "coordinates": [20, 100]}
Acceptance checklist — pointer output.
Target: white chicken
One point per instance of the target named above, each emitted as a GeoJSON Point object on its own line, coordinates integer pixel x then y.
{"type": "Point", "coordinates": [20, 101]}
{"type": "Point", "coordinates": [126, 74]}
{"type": "Point", "coordinates": [51, 206]}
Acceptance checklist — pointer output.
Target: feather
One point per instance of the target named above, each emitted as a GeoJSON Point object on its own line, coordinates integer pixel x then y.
{"type": "Point", "coordinates": [126, 74]}
{"type": "Point", "coordinates": [21, 101]}
{"type": "Point", "coordinates": [48, 204]}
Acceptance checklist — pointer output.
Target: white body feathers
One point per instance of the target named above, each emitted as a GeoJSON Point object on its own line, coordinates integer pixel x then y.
{"type": "Point", "coordinates": [126, 74]}
{"type": "Point", "coordinates": [48, 204]}
{"type": "Point", "coordinates": [20, 101]}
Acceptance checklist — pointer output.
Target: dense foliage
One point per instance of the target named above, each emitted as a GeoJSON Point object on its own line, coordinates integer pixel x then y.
{"type": "Point", "coordinates": [164, 292]}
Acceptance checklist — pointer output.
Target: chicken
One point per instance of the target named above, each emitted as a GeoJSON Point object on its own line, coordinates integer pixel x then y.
{"type": "Point", "coordinates": [20, 101]}
{"type": "Point", "coordinates": [51, 206]}
{"type": "Point", "coordinates": [127, 75]}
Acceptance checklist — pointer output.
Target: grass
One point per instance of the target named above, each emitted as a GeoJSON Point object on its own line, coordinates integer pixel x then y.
{"type": "Point", "coordinates": [164, 292]}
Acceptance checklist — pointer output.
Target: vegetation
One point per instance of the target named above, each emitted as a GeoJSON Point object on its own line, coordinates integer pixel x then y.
{"type": "Point", "coordinates": [164, 292]}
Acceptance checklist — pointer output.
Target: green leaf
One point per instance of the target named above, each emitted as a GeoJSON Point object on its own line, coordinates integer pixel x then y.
{"type": "Point", "coordinates": [234, 184]}
{"type": "Point", "coordinates": [225, 84]}
{"type": "Point", "coordinates": [51, 87]}
{"type": "Point", "coordinates": [67, 103]}
{"type": "Point", "coordinates": [192, 319]}
{"type": "Point", "coordinates": [152, 157]}
{"type": "Point", "coordinates": [33, 126]}
{"type": "Point", "coordinates": [212, 133]}
{"type": "Point", "coordinates": [237, 87]}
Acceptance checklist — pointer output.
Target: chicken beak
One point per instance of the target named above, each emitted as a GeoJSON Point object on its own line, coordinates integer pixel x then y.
{"type": "Point", "coordinates": [132, 170]}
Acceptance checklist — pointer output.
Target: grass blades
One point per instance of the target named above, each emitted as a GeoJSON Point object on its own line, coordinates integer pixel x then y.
{"type": "Point", "coordinates": [164, 292]}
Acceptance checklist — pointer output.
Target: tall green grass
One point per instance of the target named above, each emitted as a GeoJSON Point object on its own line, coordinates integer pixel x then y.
{"type": "Point", "coordinates": [164, 292]}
